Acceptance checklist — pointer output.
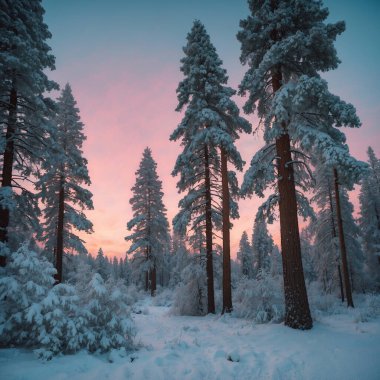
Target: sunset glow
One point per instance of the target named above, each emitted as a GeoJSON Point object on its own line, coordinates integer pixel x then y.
{"type": "Point", "coordinates": [122, 61]}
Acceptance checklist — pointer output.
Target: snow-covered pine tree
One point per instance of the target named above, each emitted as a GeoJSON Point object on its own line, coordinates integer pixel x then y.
{"type": "Point", "coordinates": [24, 282]}
{"type": "Point", "coordinates": [150, 237]}
{"type": "Point", "coordinates": [24, 58]}
{"type": "Point", "coordinates": [307, 249]}
{"type": "Point", "coordinates": [369, 220]}
{"type": "Point", "coordinates": [245, 257]}
{"type": "Point", "coordinates": [190, 295]}
{"type": "Point", "coordinates": [324, 230]}
{"type": "Point", "coordinates": [326, 234]}
{"type": "Point", "coordinates": [101, 265]}
{"type": "Point", "coordinates": [125, 271]}
{"type": "Point", "coordinates": [262, 246]}
{"type": "Point", "coordinates": [275, 262]}
{"type": "Point", "coordinates": [286, 44]}
{"type": "Point", "coordinates": [115, 269]}
{"type": "Point", "coordinates": [355, 256]}
{"type": "Point", "coordinates": [61, 184]}
{"type": "Point", "coordinates": [211, 122]}
{"type": "Point", "coordinates": [179, 258]}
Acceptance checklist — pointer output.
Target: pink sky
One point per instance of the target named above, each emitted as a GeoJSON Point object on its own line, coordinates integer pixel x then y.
{"type": "Point", "coordinates": [125, 85]}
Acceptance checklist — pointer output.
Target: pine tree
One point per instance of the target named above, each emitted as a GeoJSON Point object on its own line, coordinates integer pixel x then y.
{"type": "Point", "coordinates": [307, 249]}
{"type": "Point", "coordinates": [328, 242]}
{"type": "Point", "coordinates": [286, 44]}
{"type": "Point", "coordinates": [24, 57]}
{"type": "Point", "coordinates": [369, 220]}
{"type": "Point", "coordinates": [101, 265]}
{"type": "Point", "coordinates": [65, 172]}
{"type": "Point", "coordinates": [211, 122]}
{"type": "Point", "coordinates": [262, 246]}
{"type": "Point", "coordinates": [245, 256]}
{"type": "Point", "coordinates": [115, 269]}
{"type": "Point", "coordinates": [179, 260]}
{"type": "Point", "coordinates": [150, 238]}
{"type": "Point", "coordinates": [324, 230]}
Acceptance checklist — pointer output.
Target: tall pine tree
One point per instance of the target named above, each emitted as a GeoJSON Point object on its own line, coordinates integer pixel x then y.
{"type": "Point", "coordinates": [61, 184]}
{"type": "Point", "coordinates": [150, 237]}
{"type": "Point", "coordinates": [211, 123]}
{"type": "Point", "coordinates": [369, 220]}
{"type": "Point", "coordinates": [286, 44]}
{"type": "Point", "coordinates": [24, 58]}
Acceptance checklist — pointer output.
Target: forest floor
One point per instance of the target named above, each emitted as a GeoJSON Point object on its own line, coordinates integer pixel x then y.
{"type": "Point", "coordinates": [339, 346]}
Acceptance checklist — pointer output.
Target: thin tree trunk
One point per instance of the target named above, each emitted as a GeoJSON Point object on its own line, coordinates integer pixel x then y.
{"type": "Point", "coordinates": [297, 312]}
{"type": "Point", "coordinates": [61, 215]}
{"type": "Point", "coordinates": [341, 283]}
{"type": "Point", "coordinates": [146, 281]}
{"type": "Point", "coordinates": [227, 297]}
{"type": "Point", "coordinates": [209, 264]}
{"type": "Point", "coordinates": [334, 237]}
{"type": "Point", "coordinates": [8, 164]}
{"type": "Point", "coordinates": [342, 243]}
{"type": "Point", "coordinates": [153, 283]}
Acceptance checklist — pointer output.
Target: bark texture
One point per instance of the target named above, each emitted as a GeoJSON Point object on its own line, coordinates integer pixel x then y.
{"type": "Point", "coordinates": [209, 258]}
{"type": "Point", "coordinates": [297, 312]}
{"type": "Point", "coordinates": [227, 297]}
{"type": "Point", "coordinates": [334, 237]}
{"type": "Point", "coordinates": [60, 226]}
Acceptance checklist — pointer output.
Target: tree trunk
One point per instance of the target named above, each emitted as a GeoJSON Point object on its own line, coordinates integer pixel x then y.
{"type": "Point", "coordinates": [341, 283]}
{"type": "Point", "coordinates": [342, 243]}
{"type": "Point", "coordinates": [8, 164]}
{"type": "Point", "coordinates": [297, 312]}
{"type": "Point", "coordinates": [334, 237]}
{"type": "Point", "coordinates": [146, 281]}
{"type": "Point", "coordinates": [61, 216]}
{"type": "Point", "coordinates": [209, 264]}
{"type": "Point", "coordinates": [227, 297]}
{"type": "Point", "coordinates": [153, 283]}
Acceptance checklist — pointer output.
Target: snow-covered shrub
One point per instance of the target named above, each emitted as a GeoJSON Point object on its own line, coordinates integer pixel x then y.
{"type": "Point", "coordinates": [260, 299]}
{"type": "Point", "coordinates": [106, 316]}
{"type": "Point", "coordinates": [319, 300]}
{"type": "Point", "coordinates": [370, 308]}
{"type": "Point", "coordinates": [133, 294]}
{"type": "Point", "coordinates": [190, 295]}
{"type": "Point", "coordinates": [164, 297]}
{"type": "Point", "coordinates": [57, 322]}
{"type": "Point", "coordinates": [61, 318]}
{"type": "Point", "coordinates": [24, 283]}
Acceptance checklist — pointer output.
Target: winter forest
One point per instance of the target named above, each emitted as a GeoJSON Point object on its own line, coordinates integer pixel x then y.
{"type": "Point", "coordinates": [250, 244]}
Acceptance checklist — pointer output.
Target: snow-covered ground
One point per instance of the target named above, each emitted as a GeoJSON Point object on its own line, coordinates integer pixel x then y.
{"type": "Point", "coordinates": [218, 347]}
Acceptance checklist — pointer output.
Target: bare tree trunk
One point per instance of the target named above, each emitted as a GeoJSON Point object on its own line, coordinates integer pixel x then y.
{"type": "Point", "coordinates": [8, 164]}
{"type": "Point", "coordinates": [297, 312]}
{"type": "Point", "coordinates": [146, 281]}
{"type": "Point", "coordinates": [209, 264]}
{"type": "Point", "coordinates": [61, 216]}
{"type": "Point", "coordinates": [227, 297]}
{"type": "Point", "coordinates": [342, 243]}
{"type": "Point", "coordinates": [341, 283]}
{"type": "Point", "coordinates": [153, 283]}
